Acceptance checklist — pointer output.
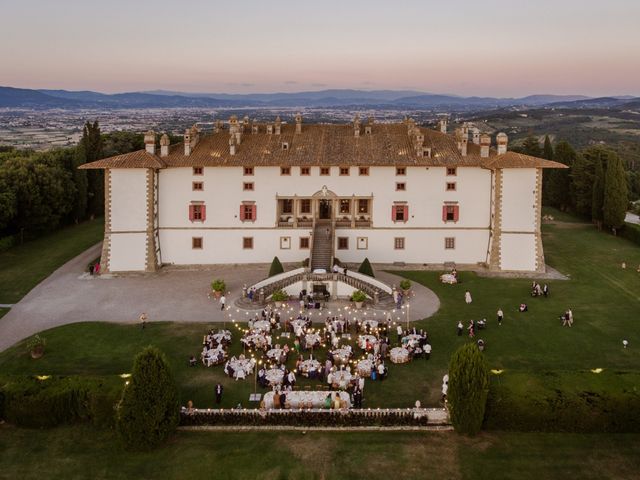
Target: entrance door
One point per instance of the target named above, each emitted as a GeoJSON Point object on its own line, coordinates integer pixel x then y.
{"type": "Point", "coordinates": [324, 212]}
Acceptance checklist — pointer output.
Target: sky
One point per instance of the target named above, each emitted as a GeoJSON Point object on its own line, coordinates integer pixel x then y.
{"type": "Point", "coordinates": [498, 48]}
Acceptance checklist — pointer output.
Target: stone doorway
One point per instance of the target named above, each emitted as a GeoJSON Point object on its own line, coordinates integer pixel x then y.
{"type": "Point", "coordinates": [324, 209]}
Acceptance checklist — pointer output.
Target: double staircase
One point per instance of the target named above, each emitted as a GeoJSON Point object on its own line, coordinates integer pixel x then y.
{"type": "Point", "coordinates": [322, 250]}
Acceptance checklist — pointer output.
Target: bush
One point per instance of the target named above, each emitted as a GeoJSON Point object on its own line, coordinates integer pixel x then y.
{"type": "Point", "coordinates": [218, 285]}
{"type": "Point", "coordinates": [564, 402]}
{"type": "Point", "coordinates": [305, 262]}
{"type": "Point", "coordinates": [365, 268]}
{"type": "Point", "coordinates": [42, 402]}
{"type": "Point", "coordinates": [279, 296]}
{"type": "Point", "coordinates": [7, 242]}
{"type": "Point", "coordinates": [468, 389]}
{"type": "Point", "coordinates": [358, 296]}
{"type": "Point", "coordinates": [276, 267]}
{"type": "Point", "coordinates": [631, 232]}
{"type": "Point", "coordinates": [36, 344]}
{"type": "Point", "coordinates": [148, 413]}
{"type": "Point", "coordinates": [405, 284]}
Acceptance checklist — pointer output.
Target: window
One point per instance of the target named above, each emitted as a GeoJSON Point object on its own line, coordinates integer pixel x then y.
{"type": "Point", "coordinates": [398, 243]}
{"type": "Point", "coordinates": [363, 171]}
{"type": "Point", "coordinates": [363, 205]}
{"type": "Point", "coordinates": [363, 243]}
{"type": "Point", "coordinates": [452, 171]}
{"type": "Point", "coordinates": [198, 170]}
{"type": "Point", "coordinates": [450, 243]}
{"type": "Point", "coordinates": [305, 171]}
{"type": "Point", "coordinates": [248, 170]}
{"type": "Point", "coordinates": [325, 171]}
{"type": "Point", "coordinates": [285, 145]}
{"type": "Point", "coordinates": [450, 213]}
{"type": "Point", "coordinates": [401, 171]}
{"type": "Point", "coordinates": [197, 186]}
{"type": "Point", "coordinates": [197, 213]}
{"type": "Point", "coordinates": [248, 212]}
{"type": "Point", "coordinates": [287, 205]}
{"type": "Point", "coordinates": [304, 243]}
{"type": "Point", "coordinates": [285, 243]}
{"type": "Point", "coordinates": [399, 213]}
{"type": "Point", "coordinates": [196, 243]}
{"type": "Point", "coordinates": [344, 171]}
{"type": "Point", "coordinates": [285, 170]}
{"type": "Point", "coordinates": [305, 205]}
{"type": "Point", "coordinates": [345, 206]}
{"type": "Point", "coordinates": [247, 186]}
{"type": "Point", "coordinates": [247, 243]}
{"type": "Point", "coordinates": [401, 186]}
{"type": "Point", "coordinates": [451, 186]}
{"type": "Point", "coordinates": [343, 243]}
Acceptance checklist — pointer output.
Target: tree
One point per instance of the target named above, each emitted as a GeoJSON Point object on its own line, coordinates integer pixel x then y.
{"type": "Point", "coordinates": [615, 193]}
{"type": "Point", "coordinates": [148, 412]}
{"type": "Point", "coordinates": [468, 389]}
{"type": "Point", "coordinates": [276, 267]}
{"type": "Point", "coordinates": [366, 268]}
{"type": "Point", "coordinates": [597, 197]}
{"type": "Point", "coordinates": [558, 185]}
{"type": "Point", "coordinates": [547, 152]}
{"type": "Point", "coordinates": [90, 148]}
{"type": "Point", "coordinates": [531, 146]}
{"type": "Point", "coordinates": [582, 175]}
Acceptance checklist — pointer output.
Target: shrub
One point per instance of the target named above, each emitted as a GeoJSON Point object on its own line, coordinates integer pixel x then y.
{"type": "Point", "coordinates": [218, 285]}
{"type": "Point", "coordinates": [336, 261]}
{"type": "Point", "coordinates": [148, 412]}
{"type": "Point", "coordinates": [279, 296]}
{"type": "Point", "coordinates": [631, 232]}
{"type": "Point", "coordinates": [365, 268]}
{"type": "Point", "coordinates": [276, 267]}
{"type": "Point", "coordinates": [468, 389]}
{"type": "Point", "coordinates": [36, 344]}
{"type": "Point", "coordinates": [305, 262]}
{"type": "Point", "coordinates": [358, 296]}
{"type": "Point", "coordinates": [405, 284]}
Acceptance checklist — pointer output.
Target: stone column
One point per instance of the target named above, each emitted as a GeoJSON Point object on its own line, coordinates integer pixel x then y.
{"type": "Point", "coordinates": [496, 230]}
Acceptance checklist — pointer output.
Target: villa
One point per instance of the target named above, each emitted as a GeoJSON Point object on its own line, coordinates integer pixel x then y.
{"type": "Point", "coordinates": [395, 193]}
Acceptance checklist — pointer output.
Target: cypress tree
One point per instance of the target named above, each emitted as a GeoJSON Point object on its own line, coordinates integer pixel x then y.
{"type": "Point", "coordinates": [615, 193]}
{"type": "Point", "coordinates": [547, 150]}
{"type": "Point", "coordinates": [468, 389]}
{"type": "Point", "coordinates": [531, 146]}
{"type": "Point", "coordinates": [91, 142]}
{"type": "Point", "coordinates": [597, 199]}
{"type": "Point", "coordinates": [582, 175]}
{"type": "Point", "coordinates": [276, 267]}
{"type": "Point", "coordinates": [559, 184]}
{"type": "Point", "coordinates": [366, 268]}
{"type": "Point", "coordinates": [148, 412]}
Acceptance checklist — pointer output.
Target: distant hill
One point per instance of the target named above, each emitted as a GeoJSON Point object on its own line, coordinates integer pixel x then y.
{"type": "Point", "coordinates": [399, 99]}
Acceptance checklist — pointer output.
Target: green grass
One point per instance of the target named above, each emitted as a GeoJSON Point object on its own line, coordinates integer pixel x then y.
{"type": "Point", "coordinates": [80, 452]}
{"type": "Point", "coordinates": [24, 266]}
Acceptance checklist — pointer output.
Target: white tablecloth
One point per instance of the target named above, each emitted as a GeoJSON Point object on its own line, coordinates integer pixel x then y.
{"type": "Point", "coordinates": [399, 355]}
{"type": "Point", "coordinates": [362, 341]}
{"type": "Point", "coordinates": [274, 376]}
{"type": "Point", "coordinates": [312, 340]}
{"type": "Point", "coordinates": [275, 354]}
{"type": "Point", "coordinates": [223, 336]}
{"type": "Point", "coordinates": [214, 356]}
{"type": "Point", "coordinates": [341, 379]}
{"type": "Point", "coordinates": [312, 399]}
{"type": "Point", "coordinates": [372, 324]}
{"type": "Point", "coordinates": [448, 278]}
{"type": "Point", "coordinates": [299, 324]}
{"type": "Point", "coordinates": [364, 368]}
{"type": "Point", "coordinates": [341, 355]}
{"type": "Point", "coordinates": [259, 340]}
{"type": "Point", "coordinates": [308, 365]}
{"type": "Point", "coordinates": [242, 368]}
{"type": "Point", "coordinates": [261, 325]}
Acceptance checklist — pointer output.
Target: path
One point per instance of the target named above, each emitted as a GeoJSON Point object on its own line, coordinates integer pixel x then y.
{"type": "Point", "coordinates": [71, 295]}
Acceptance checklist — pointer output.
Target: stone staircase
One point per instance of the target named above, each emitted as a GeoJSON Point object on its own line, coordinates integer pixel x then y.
{"type": "Point", "coordinates": [322, 252]}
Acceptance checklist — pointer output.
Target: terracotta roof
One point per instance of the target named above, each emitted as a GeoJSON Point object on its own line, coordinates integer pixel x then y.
{"type": "Point", "coordinates": [137, 159]}
{"type": "Point", "coordinates": [520, 160]}
{"type": "Point", "coordinates": [322, 144]}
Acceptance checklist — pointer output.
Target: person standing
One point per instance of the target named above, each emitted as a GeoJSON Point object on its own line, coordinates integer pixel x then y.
{"type": "Point", "coordinates": [500, 316]}
{"type": "Point", "coordinates": [545, 290]}
{"type": "Point", "coordinates": [219, 389]}
{"type": "Point", "coordinates": [460, 328]}
{"type": "Point", "coordinates": [467, 297]}
{"type": "Point", "coordinates": [143, 320]}
{"type": "Point", "coordinates": [223, 301]}
{"type": "Point", "coordinates": [399, 331]}
{"type": "Point", "coordinates": [427, 351]}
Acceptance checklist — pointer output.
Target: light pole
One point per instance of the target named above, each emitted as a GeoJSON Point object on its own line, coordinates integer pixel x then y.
{"type": "Point", "coordinates": [255, 377]}
{"type": "Point", "coordinates": [407, 316]}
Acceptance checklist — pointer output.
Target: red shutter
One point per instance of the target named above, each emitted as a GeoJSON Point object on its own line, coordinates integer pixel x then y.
{"type": "Point", "coordinates": [242, 212]}
{"type": "Point", "coordinates": [203, 209]}
{"type": "Point", "coordinates": [456, 213]}
{"type": "Point", "coordinates": [406, 213]}
{"type": "Point", "coordinates": [191, 212]}
{"type": "Point", "coordinates": [444, 213]}
{"type": "Point", "coordinates": [254, 212]}
{"type": "Point", "coordinates": [393, 213]}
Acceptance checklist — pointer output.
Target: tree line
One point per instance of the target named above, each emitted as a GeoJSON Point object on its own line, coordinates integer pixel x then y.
{"type": "Point", "coordinates": [596, 185]}
{"type": "Point", "coordinates": [42, 191]}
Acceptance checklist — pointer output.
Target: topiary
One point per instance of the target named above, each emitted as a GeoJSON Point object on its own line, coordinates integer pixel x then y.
{"type": "Point", "coordinates": [218, 285]}
{"type": "Point", "coordinates": [405, 284]}
{"type": "Point", "coordinates": [358, 296]}
{"type": "Point", "coordinates": [148, 412]}
{"type": "Point", "coordinates": [279, 296]}
{"type": "Point", "coordinates": [468, 389]}
{"type": "Point", "coordinates": [276, 267]}
{"type": "Point", "coordinates": [365, 268]}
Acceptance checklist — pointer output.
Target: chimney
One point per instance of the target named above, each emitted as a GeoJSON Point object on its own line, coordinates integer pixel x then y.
{"type": "Point", "coordinates": [269, 129]}
{"type": "Point", "coordinates": [233, 124]}
{"type": "Point", "coordinates": [485, 145]}
{"type": "Point", "coordinates": [218, 126]}
{"type": "Point", "coordinates": [298, 123]}
{"type": "Point", "coordinates": [502, 140]}
{"type": "Point", "coordinates": [462, 134]}
{"type": "Point", "coordinates": [187, 142]}
{"type": "Point", "coordinates": [443, 125]}
{"type": "Point", "coordinates": [164, 145]}
{"type": "Point", "coordinates": [369, 126]}
{"type": "Point", "coordinates": [356, 126]}
{"type": "Point", "coordinates": [232, 145]}
{"type": "Point", "coordinates": [238, 137]}
{"type": "Point", "coordinates": [150, 142]}
{"type": "Point", "coordinates": [245, 122]}
{"type": "Point", "coordinates": [278, 125]}
{"type": "Point", "coordinates": [475, 135]}
{"type": "Point", "coordinates": [254, 127]}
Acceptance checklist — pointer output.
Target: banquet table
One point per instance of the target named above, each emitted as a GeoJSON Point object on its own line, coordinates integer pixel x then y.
{"type": "Point", "coordinates": [399, 355]}
{"type": "Point", "coordinates": [242, 367]}
{"type": "Point", "coordinates": [341, 379]}
{"type": "Point", "coordinates": [255, 340]}
{"type": "Point", "coordinates": [341, 355]}
{"type": "Point", "coordinates": [362, 341]}
{"type": "Point", "coordinates": [274, 376]}
{"type": "Point", "coordinates": [308, 365]}
{"type": "Point", "coordinates": [364, 368]}
{"type": "Point", "coordinates": [261, 325]}
{"type": "Point", "coordinates": [214, 356]}
{"type": "Point", "coordinates": [338, 325]}
{"type": "Point", "coordinates": [309, 399]}
{"type": "Point", "coordinates": [371, 324]}
{"type": "Point", "coordinates": [448, 278]}
{"type": "Point", "coordinates": [312, 340]}
{"type": "Point", "coordinates": [275, 354]}
{"type": "Point", "coordinates": [223, 336]}
{"type": "Point", "coordinates": [411, 338]}
{"type": "Point", "coordinates": [299, 324]}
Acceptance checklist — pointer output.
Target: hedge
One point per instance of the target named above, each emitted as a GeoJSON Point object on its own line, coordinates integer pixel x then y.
{"type": "Point", "coordinates": [54, 400]}
{"type": "Point", "coordinates": [631, 232]}
{"type": "Point", "coordinates": [564, 402]}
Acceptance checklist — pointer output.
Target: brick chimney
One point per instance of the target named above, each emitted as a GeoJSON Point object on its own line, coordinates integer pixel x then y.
{"type": "Point", "coordinates": [462, 135]}
{"type": "Point", "coordinates": [369, 125]}
{"type": "Point", "coordinates": [150, 142]}
{"type": "Point", "coordinates": [232, 145]}
{"type": "Point", "coordinates": [187, 142]}
{"type": "Point", "coordinates": [278, 125]}
{"type": "Point", "coordinates": [502, 141]}
{"type": "Point", "coordinates": [442, 125]}
{"type": "Point", "coordinates": [356, 126]}
{"type": "Point", "coordinates": [298, 123]}
{"type": "Point", "coordinates": [475, 135]}
{"type": "Point", "coordinates": [485, 145]}
{"type": "Point", "coordinates": [164, 145]}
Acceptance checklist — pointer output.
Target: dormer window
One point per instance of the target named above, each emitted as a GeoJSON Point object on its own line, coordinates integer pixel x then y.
{"type": "Point", "coordinates": [285, 145]}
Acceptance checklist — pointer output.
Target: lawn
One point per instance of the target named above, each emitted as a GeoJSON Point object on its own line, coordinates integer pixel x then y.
{"type": "Point", "coordinates": [604, 298]}
{"type": "Point", "coordinates": [24, 266]}
{"type": "Point", "coordinates": [81, 452]}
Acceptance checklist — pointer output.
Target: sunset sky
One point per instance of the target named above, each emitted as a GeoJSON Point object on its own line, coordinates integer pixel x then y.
{"type": "Point", "coordinates": [489, 47]}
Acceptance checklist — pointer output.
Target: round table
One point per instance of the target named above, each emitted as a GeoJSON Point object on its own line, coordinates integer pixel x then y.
{"type": "Point", "coordinates": [413, 337]}
{"type": "Point", "coordinates": [275, 354]}
{"type": "Point", "coordinates": [312, 340]}
{"type": "Point", "coordinates": [261, 325]}
{"type": "Point", "coordinates": [448, 278]}
{"type": "Point", "coordinates": [342, 355]}
{"type": "Point", "coordinates": [371, 324]}
{"type": "Point", "coordinates": [338, 324]}
{"type": "Point", "coordinates": [223, 336]}
{"type": "Point", "coordinates": [362, 341]}
{"type": "Point", "coordinates": [399, 355]}
{"type": "Point", "coordinates": [214, 356]}
{"type": "Point", "coordinates": [241, 367]}
{"type": "Point", "coordinates": [308, 365]}
{"type": "Point", "coordinates": [274, 376]}
{"type": "Point", "coordinates": [255, 340]}
{"type": "Point", "coordinates": [341, 379]}
{"type": "Point", "coordinates": [364, 368]}
{"type": "Point", "coordinates": [299, 324]}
